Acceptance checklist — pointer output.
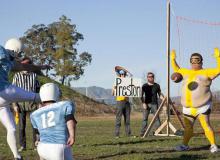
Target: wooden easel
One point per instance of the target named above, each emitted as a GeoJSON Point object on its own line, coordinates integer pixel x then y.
{"type": "Point", "coordinates": [166, 123]}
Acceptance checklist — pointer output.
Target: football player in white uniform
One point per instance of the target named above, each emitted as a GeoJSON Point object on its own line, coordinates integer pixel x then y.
{"type": "Point", "coordinates": [10, 93]}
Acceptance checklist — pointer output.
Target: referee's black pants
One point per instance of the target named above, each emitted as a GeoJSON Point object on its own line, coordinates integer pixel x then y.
{"type": "Point", "coordinates": [22, 130]}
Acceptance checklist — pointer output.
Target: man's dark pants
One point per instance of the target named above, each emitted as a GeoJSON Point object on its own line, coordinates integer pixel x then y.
{"type": "Point", "coordinates": [22, 128]}
{"type": "Point", "coordinates": [123, 108]}
{"type": "Point", "coordinates": [152, 108]}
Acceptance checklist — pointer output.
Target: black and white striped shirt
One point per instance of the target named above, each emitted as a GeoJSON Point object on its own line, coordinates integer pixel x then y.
{"type": "Point", "coordinates": [26, 80]}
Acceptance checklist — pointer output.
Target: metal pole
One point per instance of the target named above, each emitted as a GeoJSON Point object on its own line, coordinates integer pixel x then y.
{"type": "Point", "coordinates": [168, 66]}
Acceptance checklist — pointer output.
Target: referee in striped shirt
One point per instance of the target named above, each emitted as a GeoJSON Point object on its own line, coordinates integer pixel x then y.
{"type": "Point", "coordinates": [27, 81]}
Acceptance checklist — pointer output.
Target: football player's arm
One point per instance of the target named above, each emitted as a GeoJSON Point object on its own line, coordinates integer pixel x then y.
{"type": "Point", "coordinates": [71, 126]}
{"type": "Point", "coordinates": [37, 134]}
{"type": "Point", "coordinates": [29, 67]}
{"type": "Point", "coordinates": [215, 72]}
{"type": "Point", "coordinates": [35, 130]}
{"type": "Point", "coordinates": [71, 123]}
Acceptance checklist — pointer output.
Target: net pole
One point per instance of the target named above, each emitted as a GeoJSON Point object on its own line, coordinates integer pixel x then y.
{"type": "Point", "coordinates": [168, 65]}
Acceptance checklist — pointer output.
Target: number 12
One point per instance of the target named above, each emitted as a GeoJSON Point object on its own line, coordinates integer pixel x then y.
{"type": "Point", "coordinates": [48, 119]}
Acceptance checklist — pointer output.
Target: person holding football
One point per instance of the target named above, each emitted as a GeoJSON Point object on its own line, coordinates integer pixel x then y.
{"type": "Point", "coordinates": [196, 97]}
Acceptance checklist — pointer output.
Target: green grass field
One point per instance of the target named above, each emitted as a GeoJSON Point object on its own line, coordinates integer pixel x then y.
{"type": "Point", "coordinates": [95, 141]}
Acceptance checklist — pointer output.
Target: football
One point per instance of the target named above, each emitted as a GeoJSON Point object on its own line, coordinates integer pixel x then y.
{"type": "Point", "coordinates": [176, 77]}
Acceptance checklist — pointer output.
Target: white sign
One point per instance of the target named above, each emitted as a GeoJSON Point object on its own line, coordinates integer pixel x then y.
{"type": "Point", "coordinates": [128, 87]}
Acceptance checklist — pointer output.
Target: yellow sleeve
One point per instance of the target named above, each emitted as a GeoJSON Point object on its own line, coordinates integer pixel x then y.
{"type": "Point", "coordinates": [177, 69]}
{"type": "Point", "coordinates": [175, 66]}
{"type": "Point", "coordinates": [173, 61]}
{"type": "Point", "coordinates": [214, 72]}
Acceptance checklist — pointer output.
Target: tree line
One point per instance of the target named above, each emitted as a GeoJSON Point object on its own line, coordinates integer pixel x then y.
{"type": "Point", "coordinates": [55, 44]}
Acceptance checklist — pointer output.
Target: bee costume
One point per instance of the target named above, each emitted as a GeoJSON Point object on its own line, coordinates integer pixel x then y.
{"type": "Point", "coordinates": [196, 96]}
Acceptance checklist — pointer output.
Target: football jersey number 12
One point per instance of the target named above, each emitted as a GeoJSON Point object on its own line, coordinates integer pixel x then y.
{"type": "Point", "coordinates": [48, 119]}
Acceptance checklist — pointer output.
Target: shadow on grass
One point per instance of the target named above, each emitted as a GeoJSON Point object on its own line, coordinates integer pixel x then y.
{"type": "Point", "coordinates": [200, 148]}
{"type": "Point", "coordinates": [128, 153]}
{"type": "Point", "coordinates": [158, 151]}
{"type": "Point", "coordinates": [130, 142]}
{"type": "Point", "coordinates": [184, 157]}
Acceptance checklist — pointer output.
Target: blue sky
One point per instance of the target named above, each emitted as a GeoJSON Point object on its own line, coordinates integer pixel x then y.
{"type": "Point", "coordinates": [130, 33]}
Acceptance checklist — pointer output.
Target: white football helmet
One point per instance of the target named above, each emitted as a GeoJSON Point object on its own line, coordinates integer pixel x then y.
{"type": "Point", "coordinates": [50, 92]}
{"type": "Point", "coordinates": [14, 45]}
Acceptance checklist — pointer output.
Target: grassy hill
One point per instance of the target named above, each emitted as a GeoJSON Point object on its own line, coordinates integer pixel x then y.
{"type": "Point", "coordinates": [85, 106]}
{"type": "Point", "coordinates": [98, 93]}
